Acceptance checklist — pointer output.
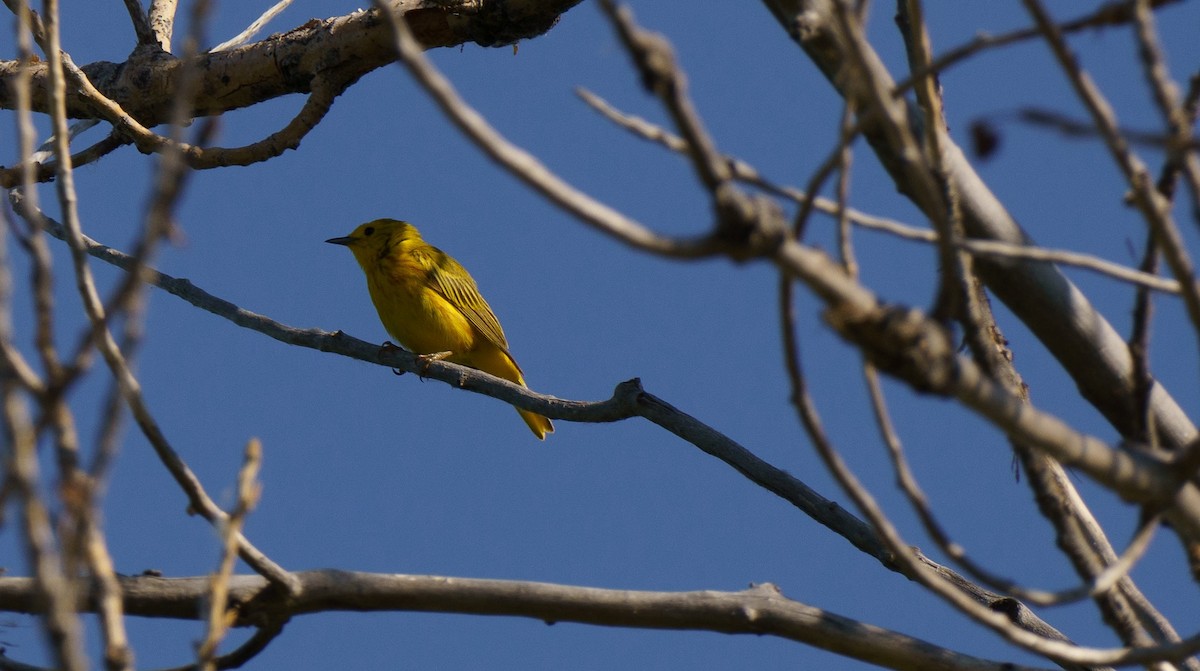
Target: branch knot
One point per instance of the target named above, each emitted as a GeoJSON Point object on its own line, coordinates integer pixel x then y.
{"type": "Point", "coordinates": [749, 226]}
{"type": "Point", "coordinates": [902, 342]}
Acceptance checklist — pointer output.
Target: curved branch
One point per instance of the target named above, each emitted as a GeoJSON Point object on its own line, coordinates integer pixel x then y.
{"type": "Point", "coordinates": [315, 108]}
{"type": "Point", "coordinates": [760, 610]}
{"type": "Point", "coordinates": [44, 172]}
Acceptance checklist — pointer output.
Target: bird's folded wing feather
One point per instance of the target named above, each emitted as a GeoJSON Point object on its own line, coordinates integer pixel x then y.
{"type": "Point", "coordinates": [451, 281]}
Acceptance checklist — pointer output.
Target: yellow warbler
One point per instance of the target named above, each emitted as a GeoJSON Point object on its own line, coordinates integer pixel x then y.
{"type": "Point", "coordinates": [430, 303]}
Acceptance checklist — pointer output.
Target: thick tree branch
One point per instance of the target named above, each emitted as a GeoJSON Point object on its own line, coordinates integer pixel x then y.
{"type": "Point", "coordinates": [341, 49]}
{"type": "Point", "coordinates": [760, 610]}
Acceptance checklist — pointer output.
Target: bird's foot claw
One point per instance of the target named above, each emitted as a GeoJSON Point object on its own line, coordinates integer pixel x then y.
{"type": "Point", "coordinates": [427, 359]}
{"type": "Point", "coordinates": [388, 346]}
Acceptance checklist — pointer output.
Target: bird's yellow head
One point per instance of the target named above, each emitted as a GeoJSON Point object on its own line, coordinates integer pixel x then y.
{"type": "Point", "coordinates": [375, 239]}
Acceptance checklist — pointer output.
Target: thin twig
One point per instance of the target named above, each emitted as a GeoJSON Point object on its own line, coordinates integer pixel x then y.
{"type": "Point", "coordinates": [44, 172]}
{"type": "Point", "coordinates": [834, 163]}
{"type": "Point", "coordinates": [162, 21]}
{"type": "Point", "coordinates": [741, 171]}
{"type": "Point", "coordinates": [1154, 208]}
{"type": "Point", "coordinates": [1178, 118]}
{"type": "Point", "coordinates": [34, 241]}
{"type": "Point", "coordinates": [1111, 14]}
{"type": "Point", "coordinates": [83, 507]}
{"type": "Point", "coordinates": [141, 24]}
{"type": "Point", "coordinates": [1142, 278]}
{"type": "Point", "coordinates": [53, 586]}
{"type": "Point", "coordinates": [748, 225]}
{"type": "Point", "coordinates": [219, 620]}
{"type": "Point", "coordinates": [655, 60]}
{"type": "Point", "coordinates": [524, 165]}
{"type": "Point", "coordinates": [991, 248]}
{"type": "Point", "coordinates": [315, 107]}
{"type": "Point", "coordinates": [1077, 128]}
{"type": "Point", "coordinates": [248, 650]}
{"type": "Point", "coordinates": [842, 213]}
{"type": "Point", "coordinates": [254, 28]}
{"type": "Point", "coordinates": [1191, 105]}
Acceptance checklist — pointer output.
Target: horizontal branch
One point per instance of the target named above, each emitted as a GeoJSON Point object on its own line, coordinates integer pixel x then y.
{"type": "Point", "coordinates": [341, 49]}
{"type": "Point", "coordinates": [760, 610]}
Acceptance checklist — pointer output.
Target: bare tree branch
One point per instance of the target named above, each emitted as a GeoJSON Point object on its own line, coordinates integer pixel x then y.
{"type": "Point", "coordinates": [884, 334]}
{"type": "Point", "coordinates": [1059, 315]}
{"type": "Point", "coordinates": [760, 610]}
{"type": "Point", "coordinates": [1110, 14]}
{"type": "Point", "coordinates": [745, 172]}
{"type": "Point", "coordinates": [1153, 206]}
{"type": "Point", "coordinates": [162, 21]}
{"type": "Point", "coordinates": [917, 373]}
{"type": "Point", "coordinates": [255, 27]}
{"type": "Point", "coordinates": [141, 24]}
{"type": "Point", "coordinates": [144, 85]}
{"type": "Point", "coordinates": [219, 620]}
{"type": "Point", "coordinates": [1153, 467]}
{"type": "Point", "coordinates": [629, 400]}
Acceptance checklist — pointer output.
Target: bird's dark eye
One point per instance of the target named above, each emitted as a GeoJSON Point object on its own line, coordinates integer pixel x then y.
{"type": "Point", "coordinates": [369, 230]}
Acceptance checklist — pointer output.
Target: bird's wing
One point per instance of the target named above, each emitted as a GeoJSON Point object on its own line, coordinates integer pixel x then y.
{"type": "Point", "coordinates": [452, 282]}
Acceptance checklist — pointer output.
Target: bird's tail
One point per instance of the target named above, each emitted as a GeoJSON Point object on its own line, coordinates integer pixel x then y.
{"type": "Point", "coordinates": [500, 363]}
{"type": "Point", "coordinates": [538, 424]}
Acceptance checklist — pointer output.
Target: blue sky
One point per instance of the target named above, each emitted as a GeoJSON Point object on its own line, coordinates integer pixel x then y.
{"type": "Point", "coordinates": [367, 471]}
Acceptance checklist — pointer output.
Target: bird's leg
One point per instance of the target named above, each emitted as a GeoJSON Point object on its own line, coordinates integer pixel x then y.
{"type": "Point", "coordinates": [387, 346]}
{"type": "Point", "coordinates": [427, 359]}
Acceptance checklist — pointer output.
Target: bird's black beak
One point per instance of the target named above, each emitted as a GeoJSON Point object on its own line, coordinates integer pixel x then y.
{"type": "Point", "coordinates": [341, 241]}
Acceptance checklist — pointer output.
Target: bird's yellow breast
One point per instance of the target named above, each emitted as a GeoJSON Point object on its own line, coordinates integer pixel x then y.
{"type": "Point", "coordinates": [413, 313]}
